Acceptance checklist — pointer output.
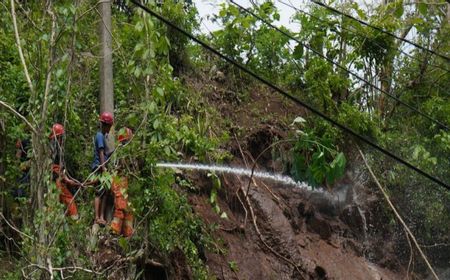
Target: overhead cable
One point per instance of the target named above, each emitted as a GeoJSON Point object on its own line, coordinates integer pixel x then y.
{"type": "Point", "coordinates": [380, 29]}
{"type": "Point", "coordinates": [440, 124]}
{"type": "Point", "coordinates": [290, 96]}
{"type": "Point", "coordinates": [290, 5]}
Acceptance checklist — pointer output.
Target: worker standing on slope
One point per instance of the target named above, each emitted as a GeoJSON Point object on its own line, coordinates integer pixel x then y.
{"type": "Point", "coordinates": [101, 155]}
{"type": "Point", "coordinates": [122, 222]}
{"type": "Point", "coordinates": [59, 176]}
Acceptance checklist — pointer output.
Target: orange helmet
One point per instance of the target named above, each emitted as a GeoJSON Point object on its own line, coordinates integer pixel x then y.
{"type": "Point", "coordinates": [57, 130]}
{"type": "Point", "coordinates": [124, 135]}
{"type": "Point", "coordinates": [106, 117]}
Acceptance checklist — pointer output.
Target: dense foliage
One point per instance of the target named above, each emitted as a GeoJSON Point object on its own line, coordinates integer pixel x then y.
{"type": "Point", "coordinates": [172, 121]}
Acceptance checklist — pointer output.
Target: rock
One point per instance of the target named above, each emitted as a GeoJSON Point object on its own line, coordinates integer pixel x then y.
{"type": "Point", "coordinates": [320, 226]}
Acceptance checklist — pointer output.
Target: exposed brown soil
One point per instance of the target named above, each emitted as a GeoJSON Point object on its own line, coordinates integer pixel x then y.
{"type": "Point", "coordinates": [296, 241]}
{"type": "Point", "coordinates": [295, 234]}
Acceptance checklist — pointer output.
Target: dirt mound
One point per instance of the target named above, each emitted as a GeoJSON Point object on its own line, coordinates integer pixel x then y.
{"type": "Point", "coordinates": [286, 237]}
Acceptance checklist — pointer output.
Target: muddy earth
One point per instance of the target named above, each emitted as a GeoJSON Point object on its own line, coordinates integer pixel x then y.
{"type": "Point", "coordinates": [284, 232]}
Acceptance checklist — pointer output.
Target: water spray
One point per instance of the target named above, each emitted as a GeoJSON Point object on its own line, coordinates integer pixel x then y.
{"type": "Point", "coordinates": [240, 172]}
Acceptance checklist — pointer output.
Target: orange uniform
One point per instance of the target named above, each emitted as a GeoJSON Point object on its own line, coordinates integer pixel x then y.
{"type": "Point", "coordinates": [65, 196]}
{"type": "Point", "coordinates": [122, 222]}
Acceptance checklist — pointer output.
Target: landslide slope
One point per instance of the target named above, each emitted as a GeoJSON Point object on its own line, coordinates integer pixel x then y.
{"type": "Point", "coordinates": [276, 231]}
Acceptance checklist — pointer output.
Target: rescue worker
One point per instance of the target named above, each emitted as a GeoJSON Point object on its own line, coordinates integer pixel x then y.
{"type": "Point", "coordinates": [22, 149]}
{"type": "Point", "coordinates": [101, 155]}
{"type": "Point", "coordinates": [122, 222]}
{"type": "Point", "coordinates": [59, 176]}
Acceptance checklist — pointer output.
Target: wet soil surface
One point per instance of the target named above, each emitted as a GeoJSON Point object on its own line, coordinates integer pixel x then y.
{"type": "Point", "coordinates": [287, 238]}
{"type": "Point", "coordinates": [274, 231]}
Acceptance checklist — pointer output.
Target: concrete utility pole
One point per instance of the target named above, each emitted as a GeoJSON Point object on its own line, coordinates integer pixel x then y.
{"type": "Point", "coordinates": [106, 67]}
{"type": "Point", "coordinates": [106, 79]}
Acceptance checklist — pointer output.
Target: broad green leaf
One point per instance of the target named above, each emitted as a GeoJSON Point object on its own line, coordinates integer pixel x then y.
{"type": "Point", "coordinates": [160, 91]}
{"type": "Point", "coordinates": [138, 47]}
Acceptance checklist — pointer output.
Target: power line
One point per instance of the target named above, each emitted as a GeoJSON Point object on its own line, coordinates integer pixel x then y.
{"type": "Point", "coordinates": [289, 96]}
{"type": "Point", "coordinates": [380, 29]}
{"type": "Point", "coordinates": [343, 68]}
{"type": "Point", "coordinates": [364, 36]}
{"type": "Point", "coordinates": [359, 34]}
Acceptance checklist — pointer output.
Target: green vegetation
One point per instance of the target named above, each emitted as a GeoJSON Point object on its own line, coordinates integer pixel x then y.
{"type": "Point", "coordinates": [316, 158]}
{"type": "Point", "coordinates": [173, 120]}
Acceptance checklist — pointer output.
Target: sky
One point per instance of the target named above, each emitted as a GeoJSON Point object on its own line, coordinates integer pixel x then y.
{"type": "Point", "coordinates": [210, 7]}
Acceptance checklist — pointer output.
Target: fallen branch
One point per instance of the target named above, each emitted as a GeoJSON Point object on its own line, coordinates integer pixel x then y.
{"type": "Point", "coordinates": [435, 245]}
{"type": "Point", "coordinates": [240, 201]}
{"type": "Point", "coordinates": [411, 255]}
{"type": "Point", "coordinates": [252, 179]}
{"type": "Point", "coordinates": [50, 270]}
{"type": "Point", "coordinates": [260, 154]}
{"type": "Point", "coordinates": [264, 185]}
{"type": "Point", "coordinates": [386, 196]}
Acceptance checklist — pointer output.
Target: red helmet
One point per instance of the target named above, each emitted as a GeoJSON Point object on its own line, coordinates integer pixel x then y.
{"type": "Point", "coordinates": [106, 117]}
{"type": "Point", "coordinates": [56, 168]}
{"type": "Point", "coordinates": [57, 130]}
{"type": "Point", "coordinates": [124, 135]}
